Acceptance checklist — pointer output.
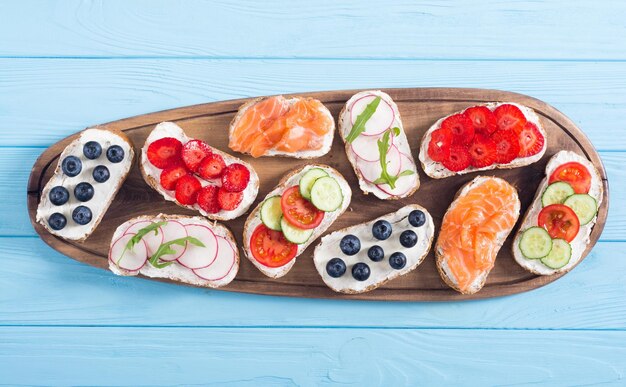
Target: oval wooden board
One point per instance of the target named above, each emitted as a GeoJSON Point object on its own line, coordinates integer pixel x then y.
{"type": "Point", "coordinates": [419, 107]}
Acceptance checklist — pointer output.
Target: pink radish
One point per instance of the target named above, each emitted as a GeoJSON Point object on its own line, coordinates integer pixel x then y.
{"type": "Point", "coordinates": [130, 260]}
{"type": "Point", "coordinates": [380, 121]}
{"type": "Point", "coordinates": [171, 231]}
{"type": "Point", "coordinates": [222, 265]}
{"type": "Point", "coordinates": [152, 241]}
{"type": "Point", "coordinates": [196, 257]}
{"type": "Point", "coordinates": [366, 147]}
{"type": "Point", "coordinates": [371, 170]}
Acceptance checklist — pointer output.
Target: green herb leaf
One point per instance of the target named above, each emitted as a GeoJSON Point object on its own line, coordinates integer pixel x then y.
{"type": "Point", "coordinates": [166, 249]}
{"type": "Point", "coordinates": [361, 120]}
{"type": "Point", "coordinates": [383, 149]}
{"type": "Point", "coordinates": [406, 172]}
{"type": "Point", "coordinates": [143, 232]}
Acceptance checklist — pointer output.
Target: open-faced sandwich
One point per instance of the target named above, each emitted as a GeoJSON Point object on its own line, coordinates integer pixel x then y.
{"type": "Point", "coordinates": [297, 211]}
{"type": "Point", "coordinates": [556, 228]}
{"type": "Point", "coordinates": [377, 147]}
{"type": "Point", "coordinates": [361, 258]}
{"type": "Point", "coordinates": [90, 171]}
{"type": "Point", "coordinates": [483, 137]}
{"type": "Point", "coordinates": [197, 176]}
{"type": "Point", "coordinates": [277, 126]}
{"type": "Point", "coordinates": [188, 249]}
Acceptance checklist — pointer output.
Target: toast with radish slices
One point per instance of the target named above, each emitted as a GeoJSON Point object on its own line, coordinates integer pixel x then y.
{"type": "Point", "coordinates": [298, 210]}
{"type": "Point", "coordinates": [187, 249]}
{"type": "Point", "coordinates": [197, 176]}
{"type": "Point", "coordinates": [377, 147]}
{"type": "Point", "coordinates": [483, 137]}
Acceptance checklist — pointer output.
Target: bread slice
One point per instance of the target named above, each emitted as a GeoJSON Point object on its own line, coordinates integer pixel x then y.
{"type": "Point", "coordinates": [580, 242]}
{"type": "Point", "coordinates": [176, 271]}
{"type": "Point", "coordinates": [104, 193]}
{"type": "Point", "coordinates": [151, 174]}
{"type": "Point", "coordinates": [438, 171]}
{"type": "Point", "coordinates": [381, 272]}
{"type": "Point", "coordinates": [289, 180]}
{"type": "Point", "coordinates": [327, 140]}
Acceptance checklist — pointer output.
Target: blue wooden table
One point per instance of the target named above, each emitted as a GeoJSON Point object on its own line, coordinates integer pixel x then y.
{"type": "Point", "coordinates": [65, 65]}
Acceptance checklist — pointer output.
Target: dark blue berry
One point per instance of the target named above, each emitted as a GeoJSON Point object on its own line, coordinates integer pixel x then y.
{"type": "Point", "coordinates": [397, 260]}
{"type": "Point", "coordinates": [360, 271]}
{"type": "Point", "coordinates": [115, 153]}
{"type": "Point", "coordinates": [101, 174]}
{"type": "Point", "coordinates": [408, 238]}
{"type": "Point", "coordinates": [92, 150]}
{"type": "Point", "coordinates": [417, 218]}
{"type": "Point", "coordinates": [350, 244]}
{"type": "Point", "coordinates": [83, 191]}
{"type": "Point", "coordinates": [57, 221]}
{"type": "Point", "coordinates": [376, 253]}
{"type": "Point", "coordinates": [71, 166]}
{"type": "Point", "coordinates": [336, 267]}
{"type": "Point", "coordinates": [59, 195]}
{"type": "Point", "coordinates": [81, 215]}
{"type": "Point", "coordinates": [381, 230]}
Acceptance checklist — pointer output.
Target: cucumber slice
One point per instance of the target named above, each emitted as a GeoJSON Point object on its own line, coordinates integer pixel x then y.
{"type": "Point", "coordinates": [326, 194]}
{"type": "Point", "coordinates": [535, 243]}
{"type": "Point", "coordinates": [307, 180]}
{"type": "Point", "coordinates": [585, 207]}
{"type": "Point", "coordinates": [294, 234]}
{"type": "Point", "coordinates": [559, 255]}
{"type": "Point", "coordinates": [271, 213]}
{"type": "Point", "coordinates": [556, 193]}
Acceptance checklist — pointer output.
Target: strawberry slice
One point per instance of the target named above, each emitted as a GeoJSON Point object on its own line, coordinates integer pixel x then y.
{"type": "Point", "coordinates": [458, 160]}
{"type": "Point", "coordinates": [187, 188]}
{"type": "Point", "coordinates": [212, 166]}
{"type": "Point", "coordinates": [509, 117]}
{"type": "Point", "coordinates": [194, 152]}
{"type": "Point", "coordinates": [507, 146]}
{"type": "Point", "coordinates": [483, 151]}
{"type": "Point", "coordinates": [207, 199]}
{"type": "Point", "coordinates": [482, 118]}
{"type": "Point", "coordinates": [530, 140]}
{"type": "Point", "coordinates": [439, 145]}
{"type": "Point", "coordinates": [170, 175]}
{"type": "Point", "coordinates": [235, 177]}
{"type": "Point", "coordinates": [228, 201]}
{"type": "Point", "coordinates": [164, 152]}
{"type": "Point", "coordinates": [461, 128]}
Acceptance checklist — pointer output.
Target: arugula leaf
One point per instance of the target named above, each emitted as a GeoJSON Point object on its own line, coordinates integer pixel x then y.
{"type": "Point", "coordinates": [383, 149]}
{"type": "Point", "coordinates": [143, 232]}
{"type": "Point", "coordinates": [361, 120]}
{"type": "Point", "coordinates": [166, 248]}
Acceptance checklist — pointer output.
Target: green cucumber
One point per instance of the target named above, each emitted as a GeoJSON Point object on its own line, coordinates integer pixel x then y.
{"type": "Point", "coordinates": [585, 207]}
{"type": "Point", "coordinates": [271, 213]}
{"type": "Point", "coordinates": [326, 194]}
{"type": "Point", "coordinates": [559, 255]}
{"type": "Point", "coordinates": [307, 180]}
{"type": "Point", "coordinates": [535, 243]}
{"type": "Point", "coordinates": [294, 234]}
{"type": "Point", "coordinates": [556, 193]}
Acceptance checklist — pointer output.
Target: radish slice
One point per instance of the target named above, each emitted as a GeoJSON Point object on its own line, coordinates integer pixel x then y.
{"type": "Point", "coordinates": [196, 257]}
{"type": "Point", "coordinates": [366, 147]}
{"type": "Point", "coordinates": [171, 231]}
{"type": "Point", "coordinates": [394, 160]}
{"type": "Point", "coordinates": [222, 265]}
{"type": "Point", "coordinates": [405, 183]}
{"type": "Point", "coordinates": [371, 170]}
{"type": "Point", "coordinates": [152, 241]}
{"type": "Point", "coordinates": [380, 121]}
{"type": "Point", "coordinates": [130, 260]}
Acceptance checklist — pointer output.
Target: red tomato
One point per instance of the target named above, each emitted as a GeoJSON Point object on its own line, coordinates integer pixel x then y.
{"type": "Point", "coordinates": [298, 211]}
{"type": "Point", "coordinates": [575, 174]}
{"type": "Point", "coordinates": [270, 248]}
{"type": "Point", "coordinates": [560, 221]}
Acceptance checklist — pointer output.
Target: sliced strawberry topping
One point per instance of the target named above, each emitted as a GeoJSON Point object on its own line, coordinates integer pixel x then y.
{"type": "Point", "coordinates": [439, 145]}
{"type": "Point", "coordinates": [212, 166]}
{"type": "Point", "coordinates": [509, 117]}
{"type": "Point", "coordinates": [458, 160]}
{"type": "Point", "coordinates": [483, 151]}
{"type": "Point", "coordinates": [187, 188]}
{"type": "Point", "coordinates": [194, 152]}
{"type": "Point", "coordinates": [482, 118]}
{"type": "Point", "coordinates": [530, 140]}
{"type": "Point", "coordinates": [507, 146]}
{"type": "Point", "coordinates": [235, 177]}
{"type": "Point", "coordinates": [228, 200]}
{"type": "Point", "coordinates": [170, 175]}
{"type": "Point", "coordinates": [207, 199]}
{"type": "Point", "coordinates": [165, 152]}
{"type": "Point", "coordinates": [461, 128]}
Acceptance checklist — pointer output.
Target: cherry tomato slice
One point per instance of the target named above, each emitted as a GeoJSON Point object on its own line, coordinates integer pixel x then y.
{"type": "Point", "coordinates": [270, 248]}
{"type": "Point", "coordinates": [298, 211]}
{"type": "Point", "coordinates": [576, 174]}
{"type": "Point", "coordinates": [560, 221]}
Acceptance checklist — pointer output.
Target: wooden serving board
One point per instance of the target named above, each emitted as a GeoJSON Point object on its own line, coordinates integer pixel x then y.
{"type": "Point", "coordinates": [419, 108]}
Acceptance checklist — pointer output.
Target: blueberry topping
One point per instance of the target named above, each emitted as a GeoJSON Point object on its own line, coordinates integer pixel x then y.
{"type": "Point", "coordinates": [83, 192]}
{"type": "Point", "coordinates": [336, 267]}
{"type": "Point", "coordinates": [350, 244]}
{"type": "Point", "coordinates": [115, 153]}
{"type": "Point", "coordinates": [59, 195]}
{"type": "Point", "coordinates": [92, 150]}
{"type": "Point", "coordinates": [376, 253]}
{"type": "Point", "coordinates": [71, 166]}
{"type": "Point", "coordinates": [397, 260]}
{"type": "Point", "coordinates": [360, 271]}
{"type": "Point", "coordinates": [417, 218]}
{"type": "Point", "coordinates": [381, 230]}
{"type": "Point", "coordinates": [57, 221]}
{"type": "Point", "coordinates": [81, 215]}
{"type": "Point", "coordinates": [101, 174]}
{"type": "Point", "coordinates": [408, 238]}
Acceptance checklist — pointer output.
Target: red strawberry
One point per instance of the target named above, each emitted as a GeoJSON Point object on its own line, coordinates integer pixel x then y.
{"type": "Point", "coordinates": [187, 188]}
{"type": "Point", "coordinates": [461, 128]}
{"type": "Point", "coordinates": [483, 151]}
{"type": "Point", "coordinates": [170, 175]}
{"type": "Point", "coordinates": [207, 199]}
{"type": "Point", "coordinates": [482, 118]}
{"type": "Point", "coordinates": [228, 200]}
{"type": "Point", "coordinates": [507, 146]}
{"type": "Point", "coordinates": [530, 140]}
{"type": "Point", "coordinates": [212, 166]}
{"type": "Point", "coordinates": [439, 145]}
{"type": "Point", "coordinates": [235, 177]}
{"type": "Point", "coordinates": [458, 160]}
{"type": "Point", "coordinates": [509, 117]}
{"type": "Point", "coordinates": [164, 152]}
{"type": "Point", "coordinates": [193, 153]}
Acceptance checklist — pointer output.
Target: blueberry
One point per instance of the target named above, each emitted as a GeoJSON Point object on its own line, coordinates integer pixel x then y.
{"type": "Point", "coordinates": [115, 154]}
{"type": "Point", "coordinates": [71, 166]}
{"type": "Point", "coordinates": [57, 221]}
{"type": "Point", "coordinates": [381, 230]}
{"type": "Point", "coordinates": [101, 174]}
{"type": "Point", "coordinates": [83, 191]}
{"type": "Point", "coordinates": [417, 218]}
{"type": "Point", "coordinates": [408, 238]}
{"type": "Point", "coordinates": [81, 215]}
{"type": "Point", "coordinates": [360, 271]}
{"type": "Point", "coordinates": [336, 267]}
{"type": "Point", "coordinates": [92, 150]}
{"type": "Point", "coordinates": [59, 195]}
{"type": "Point", "coordinates": [376, 253]}
{"type": "Point", "coordinates": [397, 260]}
{"type": "Point", "coordinates": [350, 244]}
